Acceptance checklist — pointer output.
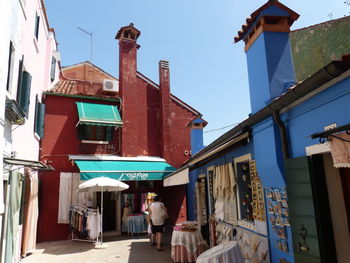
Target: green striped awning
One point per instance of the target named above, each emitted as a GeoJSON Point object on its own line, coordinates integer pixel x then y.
{"type": "Point", "coordinates": [98, 114]}
{"type": "Point", "coordinates": [124, 170]}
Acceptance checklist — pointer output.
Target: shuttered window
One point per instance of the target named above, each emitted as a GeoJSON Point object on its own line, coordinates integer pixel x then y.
{"type": "Point", "coordinates": [53, 69]}
{"type": "Point", "coordinates": [36, 28]}
{"type": "Point", "coordinates": [23, 92]}
{"type": "Point", "coordinates": [39, 118]}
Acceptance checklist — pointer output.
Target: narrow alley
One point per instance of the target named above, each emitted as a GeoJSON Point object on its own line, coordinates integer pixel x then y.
{"type": "Point", "coordinates": [121, 249]}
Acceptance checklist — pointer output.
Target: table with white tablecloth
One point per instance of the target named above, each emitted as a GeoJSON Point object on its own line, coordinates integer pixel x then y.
{"type": "Point", "coordinates": [186, 246]}
{"type": "Point", "coordinates": [136, 224]}
{"type": "Point", "coordinates": [224, 253]}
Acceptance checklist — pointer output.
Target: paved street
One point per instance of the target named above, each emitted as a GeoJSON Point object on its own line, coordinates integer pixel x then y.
{"type": "Point", "coordinates": [121, 249]}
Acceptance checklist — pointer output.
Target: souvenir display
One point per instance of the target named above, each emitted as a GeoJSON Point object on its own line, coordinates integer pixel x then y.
{"type": "Point", "coordinates": [224, 193]}
{"type": "Point", "coordinates": [202, 198]}
{"type": "Point", "coordinates": [231, 211]}
{"type": "Point", "coordinates": [277, 207]}
{"type": "Point", "coordinates": [225, 232]}
{"type": "Point", "coordinates": [211, 197]}
{"type": "Point", "coordinates": [257, 193]}
{"type": "Point", "coordinates": [244, 191]}
{"type": "Point", "coordinates": [201, 202]}
{"type": "Point", "coordinates": [212, 230]}
{"type": "Point", "coordinates": [254, 248]}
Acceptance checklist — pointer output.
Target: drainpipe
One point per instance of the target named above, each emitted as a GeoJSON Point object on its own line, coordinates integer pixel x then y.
{"type": "Point", "coordinates": [283, 132]}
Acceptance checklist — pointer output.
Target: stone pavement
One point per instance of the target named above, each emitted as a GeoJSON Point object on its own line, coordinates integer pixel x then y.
{"type": "Point", "coordinates": [121, 249]}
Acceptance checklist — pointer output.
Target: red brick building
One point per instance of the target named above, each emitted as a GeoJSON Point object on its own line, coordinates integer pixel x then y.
{"type": "Point", "coordinates": [154, 124]}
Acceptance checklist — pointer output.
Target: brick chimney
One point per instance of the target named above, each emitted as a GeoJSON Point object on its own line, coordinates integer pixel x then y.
{"type": "Point", "coordinates": [165, 118]}
{"type": "Point", "coordinates": [131, 136]}
{"type": "Point", "coordinates": [269, 59]}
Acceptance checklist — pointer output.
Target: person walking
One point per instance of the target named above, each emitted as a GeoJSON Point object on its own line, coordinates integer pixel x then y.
{"type": "Point", "coordinates": [158, 214]}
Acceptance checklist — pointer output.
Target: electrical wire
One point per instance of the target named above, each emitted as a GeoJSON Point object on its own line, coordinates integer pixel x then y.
{"type": "Point", "coordinates": [218, 129]}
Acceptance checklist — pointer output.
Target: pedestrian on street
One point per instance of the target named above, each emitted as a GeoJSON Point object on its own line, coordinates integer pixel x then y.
{"type": "Point", "coordinates": [158, 214]}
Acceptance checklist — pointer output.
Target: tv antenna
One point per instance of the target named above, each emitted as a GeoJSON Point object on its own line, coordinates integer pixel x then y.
{"type": "Point", "coordinates": [91, 37]}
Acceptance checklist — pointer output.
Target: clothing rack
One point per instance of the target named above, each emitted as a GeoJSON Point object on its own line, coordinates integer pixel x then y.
{"type": "Point", "coordinates": [80, 232]}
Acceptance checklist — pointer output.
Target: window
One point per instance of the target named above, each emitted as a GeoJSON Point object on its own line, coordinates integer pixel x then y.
{"type": "Point", "coordinates": [23, 92]}
{"type": "Point", "coordinates": [36, 29]}
{"type": "Point", "coordinates": [96, 132]}
{"type": "Point", "coordinates": [10, 66]}
{"type": "Point", "coordinates": [39, 118]}
{"type": "Point", "coordinates": [53, 68]}
{"type": "Point", "coordinates": [144, 184]}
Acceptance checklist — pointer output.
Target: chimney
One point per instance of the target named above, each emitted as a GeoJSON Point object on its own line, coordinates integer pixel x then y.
{"type": "Point", "coordinates": [197, 126]}
{"type": "Point", "coordinates": [165, 118]}
{"type": "Point", "coordinates": [130, 111]}
{"type": "Point", "coordinates": [267, 47]}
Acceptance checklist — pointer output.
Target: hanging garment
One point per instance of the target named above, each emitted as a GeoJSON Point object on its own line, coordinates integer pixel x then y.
{"type": "Point", "coordinates": [14, 206]}
{"type": "Point", "coordinates": [340, 150]}
{"type": "Point", "coordinates": [219, 209]}
{"type": "Point", "coordinates": [30, 214]}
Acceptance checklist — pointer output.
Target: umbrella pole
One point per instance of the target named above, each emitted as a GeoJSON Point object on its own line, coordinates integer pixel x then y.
{"type": "Point", "coordinates": [102, 215]}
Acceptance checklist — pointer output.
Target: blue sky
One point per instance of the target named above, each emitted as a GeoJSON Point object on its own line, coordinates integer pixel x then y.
{"type": "Point", "coordinates": [207, 70]}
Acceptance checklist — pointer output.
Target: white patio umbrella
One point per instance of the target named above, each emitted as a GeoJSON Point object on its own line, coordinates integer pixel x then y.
{"type": "Point", "coordinates": [101, 184]}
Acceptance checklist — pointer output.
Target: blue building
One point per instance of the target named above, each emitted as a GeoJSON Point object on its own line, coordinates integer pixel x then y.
{"type": "Point", "coordinates": [280, 180]}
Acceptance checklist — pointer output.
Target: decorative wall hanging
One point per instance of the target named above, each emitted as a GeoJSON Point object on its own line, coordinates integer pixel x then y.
{"type": "Point", "coordinates": [257, 193]}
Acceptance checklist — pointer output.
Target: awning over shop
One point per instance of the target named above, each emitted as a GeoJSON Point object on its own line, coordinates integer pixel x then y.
{"type": "Point", "coordinates": [98, 114]}
{"type": "Point", "coordinates": [124, 170]}
{"type": "Point", "coordinates": [13, 164]}
{"type": "Point", "coordinates": [177, 178]}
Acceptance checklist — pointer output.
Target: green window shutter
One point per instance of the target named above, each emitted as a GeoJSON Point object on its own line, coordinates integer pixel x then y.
{"type": "Point", "coordinates": [19, 80]}
{"type": "Point", "coordinates": [24, 92]}
{"type": "Point", "coordinates": [36, 29]}
{"type": "Point", "coordinates": [53, 68]}
{"type": "Point", "coordinates": [40, 119]}
{"type": "Point", "coordinates": [309, 210]}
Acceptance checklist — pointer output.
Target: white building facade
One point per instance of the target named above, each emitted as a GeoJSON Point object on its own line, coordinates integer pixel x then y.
{"type": "Point", "coordinates": [29, 65]}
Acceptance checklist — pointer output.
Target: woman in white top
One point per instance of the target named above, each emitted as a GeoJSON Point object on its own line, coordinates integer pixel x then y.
{"type": "Point", "coordinates": [126, 212]}
{"type": "Point", "coordinates": [158, 214]}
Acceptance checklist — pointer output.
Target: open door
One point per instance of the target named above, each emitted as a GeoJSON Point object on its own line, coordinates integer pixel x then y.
{"type": "Point", "coordinates": [310, 219]}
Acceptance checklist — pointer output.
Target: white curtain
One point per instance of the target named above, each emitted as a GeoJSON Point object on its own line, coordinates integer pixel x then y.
{"type": "Point", "coordinates": [68, 195]}
{"type": "Point", "coordinates": [65, 198]}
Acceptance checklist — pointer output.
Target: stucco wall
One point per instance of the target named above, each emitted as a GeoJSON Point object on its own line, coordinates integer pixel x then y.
{"type": "Point", "coordinates": [316, 46]}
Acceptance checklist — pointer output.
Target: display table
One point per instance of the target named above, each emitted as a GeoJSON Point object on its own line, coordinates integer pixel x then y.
{"type": "Point", "coordinates": [224, 253]}
{"type": "Point", "coordinates": [187, 246]}
{"type": "Point", "coordinates": [136, 224]}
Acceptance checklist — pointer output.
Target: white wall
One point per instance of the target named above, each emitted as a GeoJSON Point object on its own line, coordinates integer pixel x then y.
{"type": "Point", "coordinates": [17, 22]}
{"type": "Point", "coordinates": [37, 61]}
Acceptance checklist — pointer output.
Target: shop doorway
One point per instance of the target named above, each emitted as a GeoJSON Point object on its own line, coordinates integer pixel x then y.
{"type": "Point", "coordinates": [109, 210]}
{"type": "Point", "coordinates": [338, 187]}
